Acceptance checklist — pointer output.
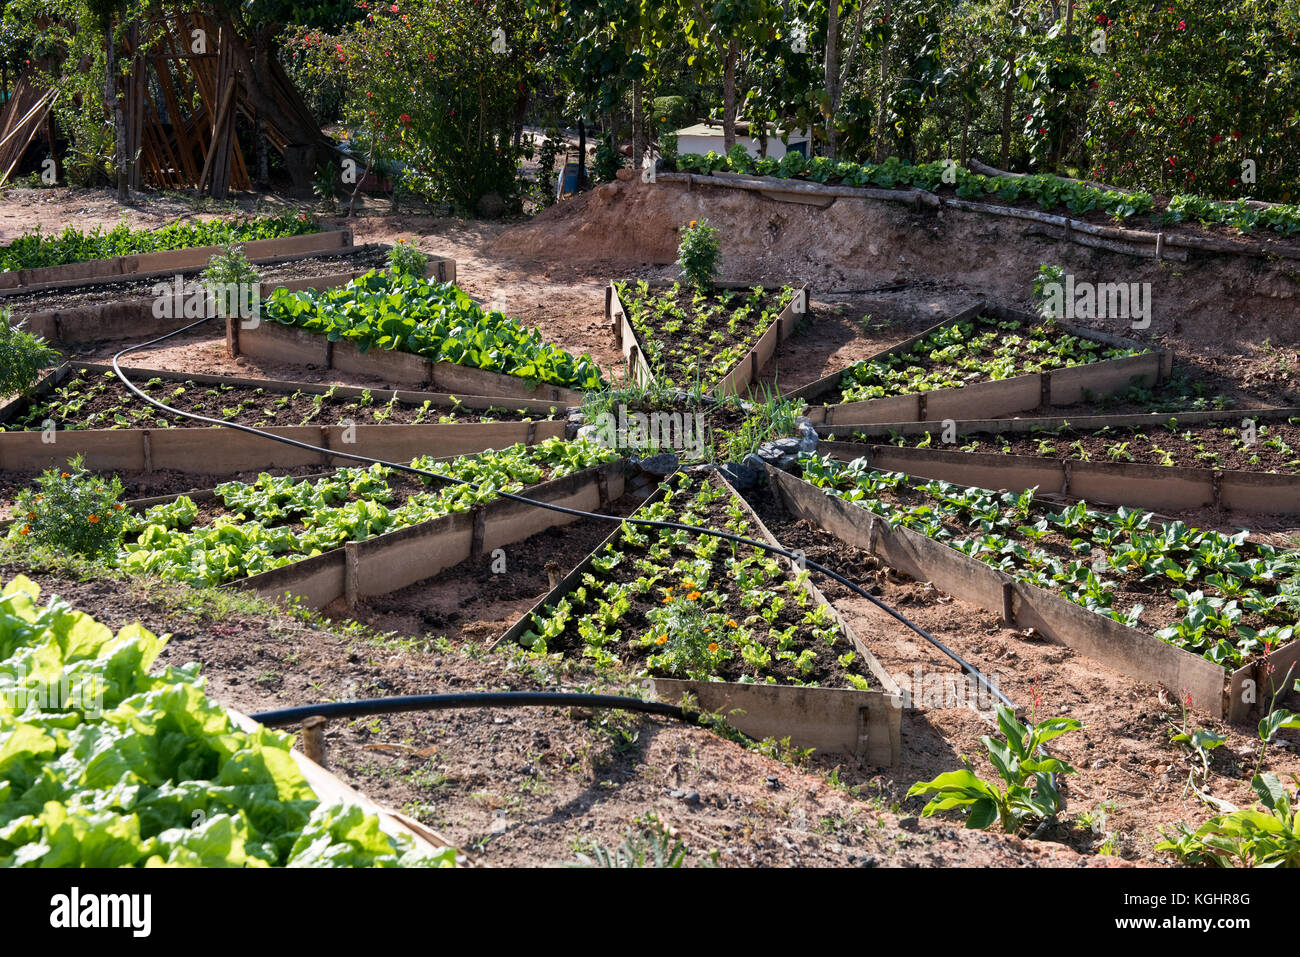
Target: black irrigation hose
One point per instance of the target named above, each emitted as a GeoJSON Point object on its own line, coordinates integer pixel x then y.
{"type": "Point", "coordinates": [479, 699]}
{"type": "Point", "coordinates": [565, 510]}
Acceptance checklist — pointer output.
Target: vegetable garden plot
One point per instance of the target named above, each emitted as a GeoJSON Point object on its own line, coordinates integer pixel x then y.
{"type": "Point", "coordinates": [1223, 607]}
{"type": "Point", "coordinates": [82, 718]}
{"type": "Point", "coordinates": [723, 623]}
{"type": "Point", "coordinates": [668, 335]}
{"type": "Point", "coordinates": [92, 396]}
{"type": "Point", "coordinates": [93, 313]}
{"type": "Point", "coordinates": [277, 521]}
{"type": "Point", "coordinates": [35, 259]}
{"type": "Point", "coordinates": [411, 330]}
{"type": "Point", "coordinates": [1241, 460]}
{"type": "Point", "coordinates": [481, 597]}
{"type": "Point", "coordinates": [988, 358]}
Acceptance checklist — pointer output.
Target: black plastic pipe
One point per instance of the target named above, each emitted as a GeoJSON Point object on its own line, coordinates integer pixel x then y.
{"type": "Point", "coordinates": [576, 512]}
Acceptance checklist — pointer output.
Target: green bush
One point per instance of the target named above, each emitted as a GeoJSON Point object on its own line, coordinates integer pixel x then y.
{"type": "Point", "coordinates": [405, 259]}
{"type": "Point", "coordinates": [697, 255]}
{"type": "Point", "coordinates": [227, 276]}
{"type": "Point", "coordinates": [72, 511]}
{"type": "Point", "coordinates": [22, 357]}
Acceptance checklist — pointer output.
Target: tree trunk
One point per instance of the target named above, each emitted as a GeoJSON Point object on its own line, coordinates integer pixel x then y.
{"type": "Point", "coordinates": [114, 106]}
{"type": "Point", "coordinates": [636, 124]}
{"type": "Point", "coordinates": [832, 73]}
{"type": "Point", "coordinates": [259, 146]}
{"type": "Point", "coordinates": [1008, 89]}
{"type": "Point", "coordinates": [965, 128]}
{"type": "Point", "coordinates": [729, 96]}
{"type": "Point", "coordinates": [882, 93]}
{"type": "Point", "coordinates": [582, 155]}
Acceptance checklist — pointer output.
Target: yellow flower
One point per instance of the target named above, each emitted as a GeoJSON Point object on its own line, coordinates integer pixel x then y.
{"type": "Point", "coordinates": [694, 223]}
{"type": "Point", "coordinates": [662, 639]}
{"type": "Point", "coordinates": [713, 647]}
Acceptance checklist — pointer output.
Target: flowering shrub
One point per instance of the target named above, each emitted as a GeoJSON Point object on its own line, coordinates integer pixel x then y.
{"type": "Point", "coordinates": [697, 256]}
{"type": "Point", "coordinates": [405, 259]}
{"type": "Point", "coordinates": [72, 511]}
{"type": "Point", "coordinates": [432, 87]}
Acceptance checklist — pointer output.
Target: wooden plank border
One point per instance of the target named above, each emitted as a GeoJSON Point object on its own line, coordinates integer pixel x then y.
{"type": "Point", "coordinates": [140, 265]}
{"type": "Point", "coordinates": [1000, 397]}
{"type": "Point", "coordinates": [274, 342]}
{"type": "Point", "coordinates": [746, 369]}
{"type": "Point", "coordinates": [214, 449]}
{"type": "Point", "coordinates": [135, 317]}
{"type": "Point", "coordinates": [865, 724]}
{"type": "Point", "coordinates": [394, 560]}
{"type": "Point", "coordinates": [1134, 484]}
{"type": "Point", "coordinates": [1128, 650]}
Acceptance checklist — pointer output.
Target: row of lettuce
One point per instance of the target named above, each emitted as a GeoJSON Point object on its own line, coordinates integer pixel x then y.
{"type": "Point", "coordinates": [37, 249]}
{"type": "Point", "coordinates": [105, 765]}
{"type": "Point", "coordinates": [1050, 192]}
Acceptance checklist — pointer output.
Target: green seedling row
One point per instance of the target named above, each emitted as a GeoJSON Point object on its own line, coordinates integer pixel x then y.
{"type": "Point", "coordinates": [1233, 600]}
{"type": "Point", "coordinates": [673, 604]}
{"type": "Point", "coordinates": [387, 309]}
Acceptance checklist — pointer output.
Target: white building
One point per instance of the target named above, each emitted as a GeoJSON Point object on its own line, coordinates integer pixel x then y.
{"type": "Point", "coordinates": [703, 137]}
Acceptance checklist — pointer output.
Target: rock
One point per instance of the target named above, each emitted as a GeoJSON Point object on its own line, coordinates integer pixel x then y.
{"type": "Point", "coordinates": [773, 782]}
{"type": "Point", "coordinates": [691, 797]}
{"type": "Point", "coordinates": [808, 437]}
{"type": "Point", "coordinates": [490, 205]}
{"type": "Point", "coordinates": [909, 823]}
{"type": "Point", "coordinates": [739, 475]}
{"type": "Point", "coordinates": [754, 462]}
{"type": "Point", "coordinates": [589, 433]}
{"type": "Point", "coordinates": [1099, 764]}
{"type": "Point", "coordinates": [665, 463]}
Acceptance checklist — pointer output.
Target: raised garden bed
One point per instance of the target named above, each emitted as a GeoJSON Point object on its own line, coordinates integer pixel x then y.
{"type": "Point", "coordinates": [665, 332]}
{"type": "Point", "coordinates": [728, 626]}
{"type": "Point", "coordinates": [35, 260]}
{"type": "Point", "coordinates": [997, 360]}
{"type": "Point", "coordinates": [287, 811]}
{"type": "Point", "coordinates": [90, 395]}
{"type": "Point", "coordinates": [1156, 462]}
{"type": "Point", "coordinates": [415, 332]}
{"type": "Point", "coordinates": [1218, 606]}
{"type": "Point", "coordinates": [76, 315]}
{"type": "Point", "coordinates": [282, 535]}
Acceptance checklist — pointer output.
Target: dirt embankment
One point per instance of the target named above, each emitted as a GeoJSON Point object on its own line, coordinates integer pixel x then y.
{"type": "Point", "coordinates": [1229, 304]}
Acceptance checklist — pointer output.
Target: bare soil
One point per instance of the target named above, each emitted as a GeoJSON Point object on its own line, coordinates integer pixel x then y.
{"type": "Point", "coordinates": [1131, 779]}
{"type": "Point", "coordinates": [104, 403]}
{"type": "Point", "coordinates": [530, 787]}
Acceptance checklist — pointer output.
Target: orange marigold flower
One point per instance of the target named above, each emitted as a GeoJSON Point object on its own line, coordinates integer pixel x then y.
{"type": "Point", "coordinates": [118, 507]}
{"type": "Point", "coordinates": [26, 530]}
{"type": "Point", "coordinates": [694, 596]}
{"type": "Point", "coordinates": [713, 647]}
{"type": "Point", "coordinates": [93, 519]}
{"type": "Point", "coordinates": [731, 623]}
{"type": "Point", "coordinates": [66, 475]}
{"type": "Point", "coordinates": [694, 223]}
{"type": "Point", "coordinates": [662, 639]}
{"type": "Point", "coordinates": [31, 514]}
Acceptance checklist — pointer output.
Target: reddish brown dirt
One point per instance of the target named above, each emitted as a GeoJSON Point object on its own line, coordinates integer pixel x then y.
{"type": "Point", "coordinates": [531, 787]}
{"type": "Point", "coordinates": [1127, 767]}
